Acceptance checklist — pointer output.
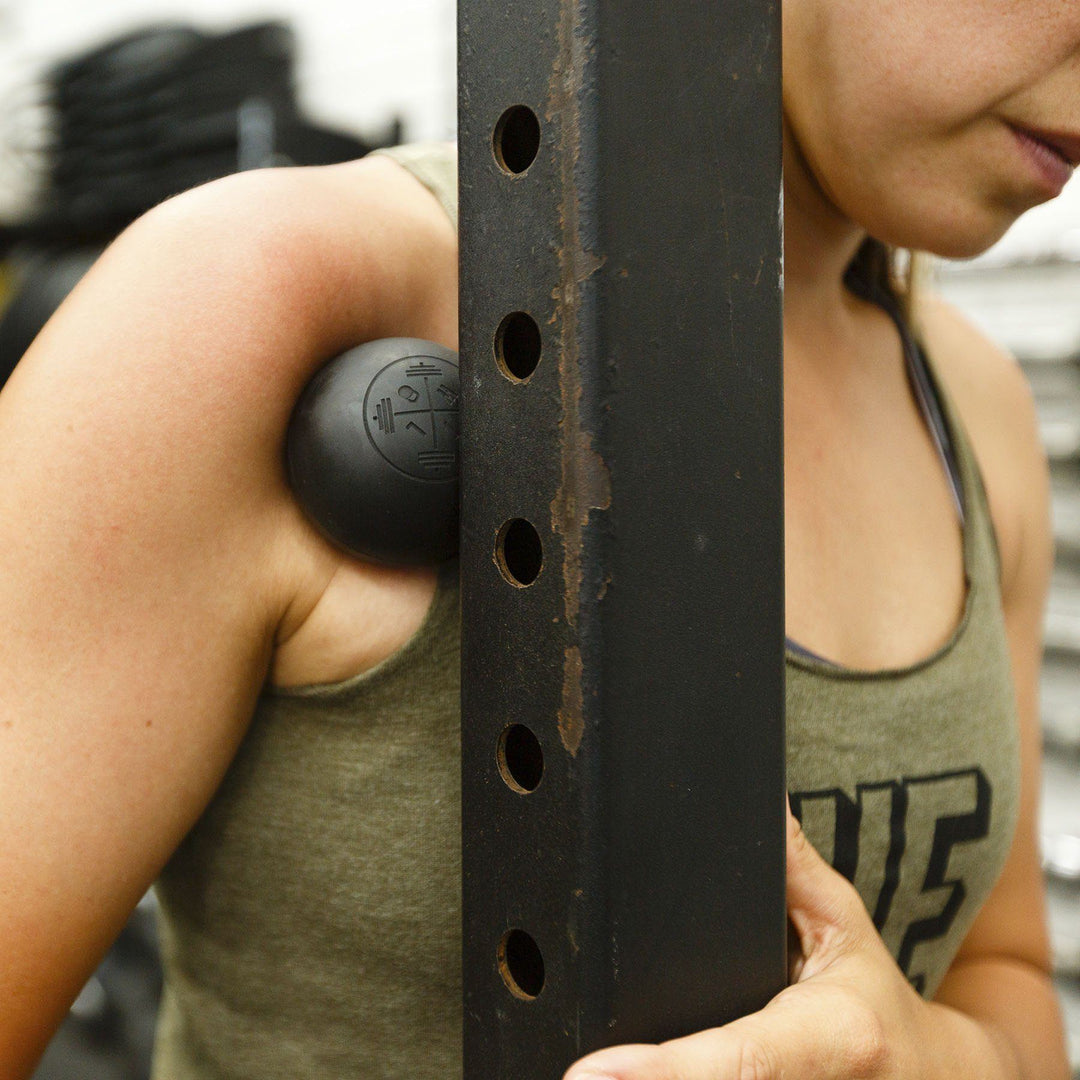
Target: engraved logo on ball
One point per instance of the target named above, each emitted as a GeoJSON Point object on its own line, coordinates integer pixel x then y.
{"type": "Point", "coordinates": [411, 416]}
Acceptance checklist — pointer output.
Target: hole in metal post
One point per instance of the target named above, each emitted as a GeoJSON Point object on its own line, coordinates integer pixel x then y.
{"type": "Point", "coordinates": [521, 759]}
{"type": "Point", "coordinates": [517, 139]}
{"type": "Point", "coordinates": [521, 965]}
{"type": "Point", "coordinates": [519, 553]}
{"type": "Point", "coordinates": [518, 345]}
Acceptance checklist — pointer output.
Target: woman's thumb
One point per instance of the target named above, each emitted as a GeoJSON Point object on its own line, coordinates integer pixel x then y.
{"type": "Point", "coordinates": [823, 906]}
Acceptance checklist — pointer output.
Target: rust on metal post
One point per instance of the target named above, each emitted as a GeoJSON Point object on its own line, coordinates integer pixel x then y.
{"type": "Point", "coordinates": [585, 482]}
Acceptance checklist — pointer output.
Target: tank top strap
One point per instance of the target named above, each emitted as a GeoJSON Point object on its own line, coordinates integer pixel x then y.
{"type": "Point", "coordinates": [435, 165]}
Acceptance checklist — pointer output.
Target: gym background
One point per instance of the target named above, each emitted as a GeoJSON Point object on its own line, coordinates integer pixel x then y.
{"type": "Point", "coordinates": [107, 108]}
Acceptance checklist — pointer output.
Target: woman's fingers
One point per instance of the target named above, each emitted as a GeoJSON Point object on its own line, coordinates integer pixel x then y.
{"type": "Point", "coordinates": [828, 916]}
{"type": "Point", "coordinates": [812, 1037]}
{"type": "Point", "coordinates": [820, 1029]}
{"type": "Point", "coordinates": [629, 1062]}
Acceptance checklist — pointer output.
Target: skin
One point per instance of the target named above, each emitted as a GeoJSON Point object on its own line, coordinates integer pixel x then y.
{"type": "Point", "coordinates": [167, 572]}
{"type": "Point", "coordinates": [157, 569]}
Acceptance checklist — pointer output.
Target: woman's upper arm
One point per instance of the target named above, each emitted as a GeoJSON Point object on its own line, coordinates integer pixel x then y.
{"type": "Point", "coordinates": [150, 550]}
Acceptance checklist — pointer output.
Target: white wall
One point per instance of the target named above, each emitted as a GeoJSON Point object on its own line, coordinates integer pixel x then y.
{"type": "Point", "coordinates": [360, 61]}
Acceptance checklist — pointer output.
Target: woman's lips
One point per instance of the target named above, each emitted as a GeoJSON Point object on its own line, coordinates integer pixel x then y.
{"type": "Point", "coordinates": [1067, 145]}
{"type": "Point", "coordinates": [1051, 157]}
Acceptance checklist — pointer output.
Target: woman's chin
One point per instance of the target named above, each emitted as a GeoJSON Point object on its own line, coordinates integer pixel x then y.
{"type": "Point", "coordinates": [966, 247]}
{"type": "Point", "coordinates": [953, 238]}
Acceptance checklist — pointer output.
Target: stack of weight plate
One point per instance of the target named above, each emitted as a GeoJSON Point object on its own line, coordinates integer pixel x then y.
{"type": "Point", "coordinates": [1032, 307]}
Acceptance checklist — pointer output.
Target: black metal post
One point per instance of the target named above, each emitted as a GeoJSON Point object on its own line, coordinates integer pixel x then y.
{"type": "Point", "coordinates": [622, 537]}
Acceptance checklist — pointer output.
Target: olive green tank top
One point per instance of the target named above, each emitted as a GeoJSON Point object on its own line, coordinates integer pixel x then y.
{"type": "Point", "coordinates": [310, 921]}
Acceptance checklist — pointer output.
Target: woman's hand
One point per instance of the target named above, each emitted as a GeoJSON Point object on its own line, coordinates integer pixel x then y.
{"type": "Point", "coordinates": [848, 1013]}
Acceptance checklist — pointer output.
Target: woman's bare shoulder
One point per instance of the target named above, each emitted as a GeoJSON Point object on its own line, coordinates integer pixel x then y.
{"type": "Point", "coordinates": [346, 253]}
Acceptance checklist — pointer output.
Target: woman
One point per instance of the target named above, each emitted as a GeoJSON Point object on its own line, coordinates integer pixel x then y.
{"type": "Point", "coordinates": [168, 587]}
